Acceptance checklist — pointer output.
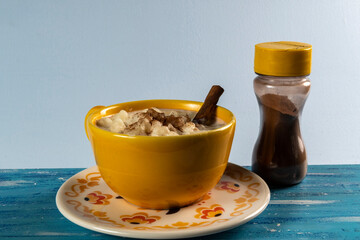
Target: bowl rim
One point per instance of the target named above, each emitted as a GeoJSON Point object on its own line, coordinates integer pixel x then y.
{"type": "Point", "coordinates": [89, 121]}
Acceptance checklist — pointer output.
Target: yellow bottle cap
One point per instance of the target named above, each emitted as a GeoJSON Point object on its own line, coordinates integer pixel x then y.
{"type": "Point", "coordinates": [283, 59]}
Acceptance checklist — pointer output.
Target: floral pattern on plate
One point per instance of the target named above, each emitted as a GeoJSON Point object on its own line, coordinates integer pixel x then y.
{"type": "Point", "coordinates": [239, 196]}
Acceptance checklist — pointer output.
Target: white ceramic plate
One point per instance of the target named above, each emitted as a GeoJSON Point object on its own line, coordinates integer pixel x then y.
{"type": "Point", "coordinates": [86, 200]}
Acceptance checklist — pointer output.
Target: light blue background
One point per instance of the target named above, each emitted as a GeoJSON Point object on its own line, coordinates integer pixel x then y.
{"type": "Point", "coordinates": [60, 58]}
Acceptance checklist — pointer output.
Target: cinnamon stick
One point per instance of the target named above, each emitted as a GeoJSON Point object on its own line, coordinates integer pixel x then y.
{"type": "Point", "coordinates": [207, 113]}
{"type": "Point", "coordinates": [280, 103]}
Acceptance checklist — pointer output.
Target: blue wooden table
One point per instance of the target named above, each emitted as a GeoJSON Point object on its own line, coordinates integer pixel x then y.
{"type": "Point", "coordinates": [326, 205]}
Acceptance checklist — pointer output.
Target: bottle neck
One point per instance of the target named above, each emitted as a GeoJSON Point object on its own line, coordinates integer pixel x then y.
{"type": "Point", "coordinates": [284, 94]}
{"type": "Point", "coordinates": [285, 81]}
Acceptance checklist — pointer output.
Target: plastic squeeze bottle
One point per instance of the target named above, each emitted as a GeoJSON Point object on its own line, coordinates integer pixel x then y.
{"type": "Point", "coordinates": [281, 88]}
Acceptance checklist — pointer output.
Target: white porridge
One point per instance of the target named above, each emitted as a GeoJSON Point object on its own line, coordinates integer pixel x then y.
{"type": "Point", "coordinates": [155, 122]}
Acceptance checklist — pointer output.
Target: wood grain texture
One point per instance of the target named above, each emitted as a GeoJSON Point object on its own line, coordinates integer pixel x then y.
{"type": "Point", "coordinates": [326, 205]}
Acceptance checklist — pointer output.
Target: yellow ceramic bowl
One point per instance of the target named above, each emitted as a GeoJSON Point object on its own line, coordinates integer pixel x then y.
{"type": "Point", "coordinates": [160, 172]}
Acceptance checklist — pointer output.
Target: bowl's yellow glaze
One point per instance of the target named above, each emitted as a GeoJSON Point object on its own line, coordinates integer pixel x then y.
{"type": "Point", "coordinates": [160, 172]}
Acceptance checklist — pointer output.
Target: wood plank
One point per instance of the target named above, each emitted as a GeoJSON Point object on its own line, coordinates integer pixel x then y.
{"type": "Point", "coordinates": [325, 205]}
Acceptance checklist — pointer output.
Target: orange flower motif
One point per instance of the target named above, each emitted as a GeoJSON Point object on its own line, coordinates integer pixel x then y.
{"type": "Point", "coordinates": [240, 200]}
{"type": "Point", "coordinates": [139, 218]}
{"type": "Point", "coordinates": [88, 183]}
{"type": "Point", "coordinates": [92, 179]}
{"type": "Point", "coordinates": [230, 187]}
{"type": "Point", "coordinates": [81, 180]}
{"type": "Point", "coordinates": [98, 197]}
{"type": "Point", "coordinates": [214, 211]}
{"type": "Point", "coordinates": [244, 200]}
{"type": "Point", "coordinates": [180, 224]}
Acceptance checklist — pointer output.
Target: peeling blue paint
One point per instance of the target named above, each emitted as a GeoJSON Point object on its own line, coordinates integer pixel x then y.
{"type": "Point", "coordinates": [325, 205]}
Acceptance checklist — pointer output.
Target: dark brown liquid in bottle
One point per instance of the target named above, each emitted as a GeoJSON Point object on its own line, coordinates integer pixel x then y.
{"type": "Point", "coordinates": [279, 155]}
